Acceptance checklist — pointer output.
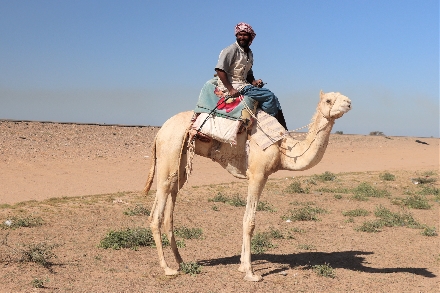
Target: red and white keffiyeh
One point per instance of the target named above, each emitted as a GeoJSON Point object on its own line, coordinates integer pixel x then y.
{"type": "Point", "coordinates": [244, 27]}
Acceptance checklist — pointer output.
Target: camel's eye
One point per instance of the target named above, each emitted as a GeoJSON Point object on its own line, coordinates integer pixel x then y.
{"type": "Point", "coordinates": [328, 101]}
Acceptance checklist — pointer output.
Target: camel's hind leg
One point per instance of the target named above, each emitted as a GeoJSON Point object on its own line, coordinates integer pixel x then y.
{"type": "Point", "coordinates": [163, 196]}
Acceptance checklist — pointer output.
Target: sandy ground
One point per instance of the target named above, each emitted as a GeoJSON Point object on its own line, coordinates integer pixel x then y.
{"type": "Point", "coordinates": [44, 160]}
{"type": "Point", "coordinates": [54, 166]}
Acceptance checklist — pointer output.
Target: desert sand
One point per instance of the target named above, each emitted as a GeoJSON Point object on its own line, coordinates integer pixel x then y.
{"type": "Point", "coordinates": [82, 182]}
{"type": "Point", "coordinates": [44, 160]}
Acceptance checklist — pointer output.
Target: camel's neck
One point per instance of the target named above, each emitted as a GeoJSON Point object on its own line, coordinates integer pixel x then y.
{"type": "Point", "coordinates": [302, 155]}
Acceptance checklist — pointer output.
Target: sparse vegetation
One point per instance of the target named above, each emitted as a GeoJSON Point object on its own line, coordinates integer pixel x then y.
{"type": "Point", "coordinates": [414, 202]}
{"type": "Point", "coordinates": [356, 213]}
{"type": "Point", "coordinates": [339, 132]}
{"type": "Point", "coordinates": [188, 233]}
{"type": "Point", "coordinates": [386, 218]}
{"type": "Point", "coordinates": [39, 283]}
{"type": "Point", "coordinates": [219, 198]}
{"type": "Point", "coordinates": [265, 206]}
{"type": "Point", "coordinates": [334, 190]}
{"type": "Point", "coordinates": [237, 201]}
{"type": "Point", "coordinates": [306, 247]}
{"type": "Point", "coordinates": [428, 190]}
{"type": "Point", "coordinates": [337, 196]}
{"type": "Point", "coordinates": [424, 180]}
{"type": "Point", "coordinates": [324, 270]}
{"type": "Point", "coordinates": [40, 253]}
{"type": "Point", "coordinates": [128, 238]}
{"type": "Point", "coordinates": [307, 213]}
{"type": "Point", "coordinates": [295, 187]}
{"type": "Point", "coordinates": [276, 234]}
{"type": "Point", "coordinates": [378, 133]}
{"type": "Point", "coordinates": [387, 176]}
{"type": "Point", "coordinates": [138, 210]}
{"type": "Point", "coordinates": [192, 268]}
{"type": "Point", "coordinates": [364, 190]}
{"type": "Point", "coordinates": [326, 176]}
{"type": "Point", "coordinates": [18, 222]}
{"type": "Point", "coordinates": [429, 231]}
{"type": "Point", "coordinates": [260, 243]}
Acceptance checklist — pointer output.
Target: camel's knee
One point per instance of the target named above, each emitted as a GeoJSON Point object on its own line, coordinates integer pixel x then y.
{"type": "Point", "coordinates": [248, 227]}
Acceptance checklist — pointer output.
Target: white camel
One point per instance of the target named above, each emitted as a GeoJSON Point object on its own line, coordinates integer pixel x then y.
{"type": "Point", "coordinates": [170, 158]}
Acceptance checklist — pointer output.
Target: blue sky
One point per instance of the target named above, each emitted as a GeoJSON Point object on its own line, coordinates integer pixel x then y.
{"type": "Point", "coordinates": [140, 62]}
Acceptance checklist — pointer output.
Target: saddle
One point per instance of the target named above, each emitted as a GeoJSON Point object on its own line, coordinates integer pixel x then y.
{"type": "Point", "coordinates": [220, 117]}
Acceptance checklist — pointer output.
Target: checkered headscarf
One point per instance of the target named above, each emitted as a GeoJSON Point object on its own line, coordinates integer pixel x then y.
{"type": "Point", "coordinates": [242, 26]}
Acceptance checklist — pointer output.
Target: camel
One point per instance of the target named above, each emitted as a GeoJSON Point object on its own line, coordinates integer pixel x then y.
{"type": "Point", "coordinates": [170, 158]}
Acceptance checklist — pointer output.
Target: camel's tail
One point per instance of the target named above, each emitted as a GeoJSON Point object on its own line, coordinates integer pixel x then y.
{"type": "Point", "coordinates": [152, 170]}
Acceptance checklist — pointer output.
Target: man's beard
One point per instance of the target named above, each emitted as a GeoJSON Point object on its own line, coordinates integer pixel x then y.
{"type": "Point", "coordinates": [243, 43]}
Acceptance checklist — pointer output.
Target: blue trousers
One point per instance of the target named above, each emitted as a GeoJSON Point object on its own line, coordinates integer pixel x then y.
{"type": "Point", "coordinates": [267, 100]}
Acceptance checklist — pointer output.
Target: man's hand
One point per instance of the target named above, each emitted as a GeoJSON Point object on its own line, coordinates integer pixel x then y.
{"type": "Point", "coordinates": [224, 78]}
{"type": "Point", "coordinates": [258, 83]}
{"type": "Point", "coordinates": [234, 93]}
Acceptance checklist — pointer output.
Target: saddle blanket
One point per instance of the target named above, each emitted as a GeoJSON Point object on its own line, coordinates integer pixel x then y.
{"type": "Point", "coordinates": [219, 128]}
{"type": "Point", "coordinates": [267, 130]}
{"type": "Point", "coordinates": [211, 98]}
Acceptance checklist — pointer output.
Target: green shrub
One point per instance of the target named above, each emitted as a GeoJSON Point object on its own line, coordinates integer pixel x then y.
{"type": "Point", "coordinates": [387, 176]}
{"type": "Point", "coordinates": [306, 213]}
{"type": "Point", "coordinates": [326, 176]}
{"type": "Point", "coordinates": [428, 190]}
{"type": "Point", "coordinates": [40, 253]}
{"type": "Point", "coordinates": [424, 180]}
{"type": "Point", "coordinates": [237, 201]}
{"type": "Point", "coordinates": [414, 202]}
{"type": "Point", "coordinates": [129, 238]}
{"type": "Point", "coordinates": [276, 234]}
{"type": "Point", "coordinates": [370, 226]}
{"type": "Point", "coordinates": [324, 270]}
{"type": "Point", "coordinates": [365, 190]}
{"type": "Point", "coordinates": [429, 231]}
{"type": "Point", "coordinates": [188, 233]}
{"type": "Point", "coordinates": [219, 198]}
{"type": "Point", "coordinates": [39, 283]}
{"type": "Point", "coordinates": [356, 213]}
{"type": "Point", "coordinates": [334, 190]}
{"type": "Point", "coordinates": [260, 243]}
{"type": "Point", "coordinates": [295, 187]}
{"type": "Point", "coordinates": [18, 222]}
{"type": "Point", "coordinates": [306, 246]}
{"type": "Point", "coordinates": [265, 206]}
{"type": "Point", "coordinates": [191, 268]}
{"type": "Point", "coordinates": [390, 219]}
{"type": "Point", "coordinates": [137, 211]}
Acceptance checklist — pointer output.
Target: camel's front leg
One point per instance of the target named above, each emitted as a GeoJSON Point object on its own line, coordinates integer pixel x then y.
{"type": "Point", "coordinates": [256, 185]}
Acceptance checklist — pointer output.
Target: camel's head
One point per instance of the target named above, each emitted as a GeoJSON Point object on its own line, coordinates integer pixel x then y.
{"type": "Point", "coordinates": [334, 105]}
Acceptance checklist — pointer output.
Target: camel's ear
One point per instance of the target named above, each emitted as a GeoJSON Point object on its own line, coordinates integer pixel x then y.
{"type": "Point", "coordinates": [321, 94]}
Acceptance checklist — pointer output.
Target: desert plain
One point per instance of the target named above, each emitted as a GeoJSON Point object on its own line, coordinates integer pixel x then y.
{"type": "Point", "coordinates": [81, 182]}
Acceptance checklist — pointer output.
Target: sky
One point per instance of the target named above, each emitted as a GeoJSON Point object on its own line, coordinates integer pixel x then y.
{"type": "Point", "coordinates": [140, 62]}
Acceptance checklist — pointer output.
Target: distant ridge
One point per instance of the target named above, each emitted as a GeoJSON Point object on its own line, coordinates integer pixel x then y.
{"type": "Point", "coordinates": [78, 123]}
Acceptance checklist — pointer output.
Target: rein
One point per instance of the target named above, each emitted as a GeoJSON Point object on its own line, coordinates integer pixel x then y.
{"type": "Point", "coordinates": [329, 120]}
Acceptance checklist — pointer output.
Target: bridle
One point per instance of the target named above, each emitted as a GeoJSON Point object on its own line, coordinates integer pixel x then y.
{"type": "Point", "coordinates": [329, 120]}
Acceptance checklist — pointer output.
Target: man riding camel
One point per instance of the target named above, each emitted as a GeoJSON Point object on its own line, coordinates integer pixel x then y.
{"type": "Point", "coordinates": [234, 70]}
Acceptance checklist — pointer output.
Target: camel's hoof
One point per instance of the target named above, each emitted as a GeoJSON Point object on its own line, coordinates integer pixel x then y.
{"type": "Point", "coordinates": [253, 278]}
{"type": "Point", "coordinates": [170, 272]}
{"type": "Point", "coordinates": [241, 269]}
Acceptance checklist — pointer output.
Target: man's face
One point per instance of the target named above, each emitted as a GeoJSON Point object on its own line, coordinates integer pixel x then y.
{"type": "Point", "coordinates": [243, 39]}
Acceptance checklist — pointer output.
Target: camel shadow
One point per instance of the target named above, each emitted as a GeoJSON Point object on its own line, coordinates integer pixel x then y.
{"type": "Point", "coordinates": [351, 260]}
